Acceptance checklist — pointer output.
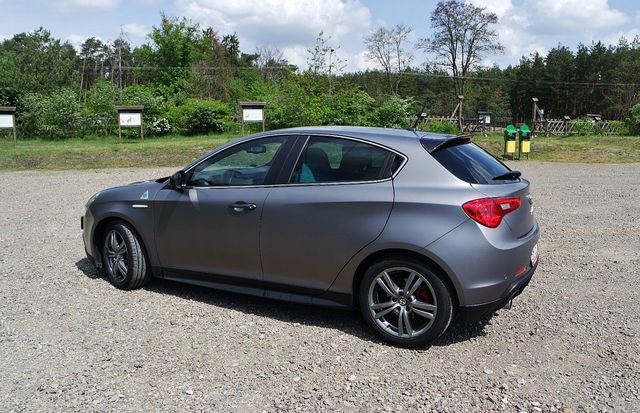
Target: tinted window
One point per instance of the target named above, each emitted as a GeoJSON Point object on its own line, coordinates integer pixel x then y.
{"type": "Point", "coordinates": [471, 163]}
{"type": "Point", "coordinates": [341, 160]}
{"type": "Point", "coordinates": [244, 164]}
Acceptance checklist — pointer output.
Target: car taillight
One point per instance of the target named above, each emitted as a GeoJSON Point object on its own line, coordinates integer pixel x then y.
{"type": "Point", "coordinates": [489, 211]}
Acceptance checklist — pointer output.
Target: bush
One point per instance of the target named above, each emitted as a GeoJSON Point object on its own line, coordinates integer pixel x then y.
{"type": "Point", "coordinates": [56, 116]}
{"type": "Point", "coordinates": [160, 127]}
{"type": "Point", "coordinates": [350, 107]}
{"type": "Point", "coordinates": [621, 126]}
{"type": "Point", "coordinates": [200, 116]}
{"type": "Point", "coordinates": [583, 127]}
{"type": "Point", "coordinates": [441, 126]}
{"type": "Point", "coordinates": [633, 121]}
{"type": "Point", "coordinates": [142, 95]}
{"type": "Point", "coordinates": [100, 110]}
{"type": "Point", "coordinates": [393, 113]}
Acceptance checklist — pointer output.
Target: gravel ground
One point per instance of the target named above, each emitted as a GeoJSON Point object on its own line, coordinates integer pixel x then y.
{"type": "Point", "coordinates": [69, 341]}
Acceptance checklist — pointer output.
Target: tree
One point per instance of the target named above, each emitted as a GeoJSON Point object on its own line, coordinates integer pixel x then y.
{"type": "Point", "coordinates": [386, 47]}
{"type": "Point", "coordinates": [462, 35]}
{"type": "Point", "coordinates": [321, 59]}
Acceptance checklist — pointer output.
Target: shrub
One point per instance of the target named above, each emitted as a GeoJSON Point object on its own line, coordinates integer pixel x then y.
{"type": "Point", "coordinates": [200, 116]}
{"type": "Point", "coordinates": [393, 113]}
{"type": "Point", "coordinates": [633, 121]}
{"type": "Point", "coordinates": [621, 126]}
{"type": "Point", "coordinates": [583, 127]}
{"type": "Point", "coordinates": [161, 127]}
{"type": "Point", "coordinates": [350, 107]}
{"type": "Point", "coordinates": [142, 95]}
{"type": "Point", "coordinates": [441, 126]}
{"type": "Point", "coordinates": [56, 116]}
{"type": "Point", "coordinates": [100, 110]}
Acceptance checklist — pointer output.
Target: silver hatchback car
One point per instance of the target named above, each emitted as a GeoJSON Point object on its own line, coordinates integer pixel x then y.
{"type": "Point", "coordinates": [411, 228]}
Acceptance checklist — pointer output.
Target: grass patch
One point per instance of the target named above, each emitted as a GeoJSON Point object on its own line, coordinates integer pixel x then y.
{"type": "Point", "coordinates": [175, 151]}
{"type": "Point", "coordinates": [93, 153]}
{"type": "Point", "coordinates": [588, 149]}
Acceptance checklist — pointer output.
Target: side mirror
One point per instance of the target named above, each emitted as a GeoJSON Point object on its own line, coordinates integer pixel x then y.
{"type": "Point", "coordinates": [177, 181]}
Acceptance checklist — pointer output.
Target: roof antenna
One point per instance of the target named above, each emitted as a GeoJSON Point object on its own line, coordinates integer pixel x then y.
{"type": "Point", "coordinates": [421, 115]}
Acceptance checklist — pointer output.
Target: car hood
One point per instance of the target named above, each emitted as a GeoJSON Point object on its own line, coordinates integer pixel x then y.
{"type": "Point", "coordinates": [136, 191]}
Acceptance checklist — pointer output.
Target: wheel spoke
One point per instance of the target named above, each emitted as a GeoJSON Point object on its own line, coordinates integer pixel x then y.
{"type": "Point", "coordinates": [401, 321]}
{"type": "Point", "coordinates": [423, 306]}
{"type": "Point", "coordinates": [410, 279]}
{"type": "Point", "coordinates": [113, 242]}
{"type": "Point", "coordinates": [423, 313]}
{"type": "Point", "coordinates": [392, 286]}
{"type": "Point", "coordinates": [386, 289]}
{"type": "Point", "coordinates": [121, 248]}
{"type": "Point", "coordinates": [122, 267]}
{"type": "Point", "coordinates": [387, 311]}
{"type": "Point", "coordinates": [382, 306]}
{"type": "Point", "coordinates": [414, 287]}
{"type": "Point", "coordinates": [407, 322]}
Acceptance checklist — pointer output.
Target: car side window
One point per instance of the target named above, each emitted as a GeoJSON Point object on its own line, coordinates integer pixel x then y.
{"type": "Point", "coordinates": [241, 165]}
{"type": "Point", "coordinates": [327, 159]}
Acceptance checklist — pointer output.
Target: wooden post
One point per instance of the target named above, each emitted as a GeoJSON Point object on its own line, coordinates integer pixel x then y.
{"type": "Point", "coordinates": [119, 130]}
{"type": "Point", "coordinates": [141, 129]}
{"type": "Point", "coordinates": [241, 125]}
{"type": "Point", "coordinates": [460, 125]}
{"type": "Point", "coordinates": [15, 136]}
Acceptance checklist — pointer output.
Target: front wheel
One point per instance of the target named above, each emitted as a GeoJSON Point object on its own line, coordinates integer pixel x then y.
{"type": "Point", "coordinates": [123, 257]}
{"type": "Point", "coordinates": [405, 302]}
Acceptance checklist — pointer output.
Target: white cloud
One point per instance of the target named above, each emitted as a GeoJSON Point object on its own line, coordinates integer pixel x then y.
{"type": "Point", "coordinates": [136, 30]}
{"type": "Point", "coordinates": [291, 26]}
{"type": "Point", "coordinates": [538, 25]}
{"type": "Point", "coordinates": [86, 4]}
{"type": "Point", "coordinates": [614, 38]}
{"type": "Point", "coordinates": [76, 40]}
{"type": "Point", "coordinates": [569, 16]}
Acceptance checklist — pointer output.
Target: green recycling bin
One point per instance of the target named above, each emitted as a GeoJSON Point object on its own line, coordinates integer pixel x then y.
{"type": "Point", "coordinates": [524, 137]}
{"type": "Point", "coordinates": [510, 141]}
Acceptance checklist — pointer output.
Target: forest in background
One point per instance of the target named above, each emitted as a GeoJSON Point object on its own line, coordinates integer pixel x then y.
{"type": "Point", "coordinates": [190, 80]}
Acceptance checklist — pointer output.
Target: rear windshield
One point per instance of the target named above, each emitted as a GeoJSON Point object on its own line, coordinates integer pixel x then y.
{"type": "Point", "coordinates": [471, 163]}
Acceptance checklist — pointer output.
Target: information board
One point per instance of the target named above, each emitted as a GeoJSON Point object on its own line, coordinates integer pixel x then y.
{"type": "Point", "coordinates": [252, 115]}
{"type": "Point", "coordinates": [6, 121]}
{"type": "Point", "coordinates": [130, 119]}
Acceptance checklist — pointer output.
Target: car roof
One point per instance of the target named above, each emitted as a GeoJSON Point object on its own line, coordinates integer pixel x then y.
{"type": "Point", "coordinates": [386, 136]}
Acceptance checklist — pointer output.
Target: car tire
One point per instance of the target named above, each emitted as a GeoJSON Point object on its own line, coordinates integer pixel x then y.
{"type": "Point", "coordinates": [416, 295]}
{"type": "Point", "coordinates": [123, 257]}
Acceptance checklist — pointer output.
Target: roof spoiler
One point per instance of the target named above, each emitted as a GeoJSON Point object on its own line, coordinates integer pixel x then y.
{"type": "Point", "coordinates": [435, 145]}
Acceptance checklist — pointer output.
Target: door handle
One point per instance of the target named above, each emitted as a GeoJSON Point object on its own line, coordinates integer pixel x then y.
{"type": "Point", "coordinates": [243, 206]}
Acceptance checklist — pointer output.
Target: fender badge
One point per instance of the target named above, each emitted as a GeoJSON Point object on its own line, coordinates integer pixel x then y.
{"type": "Point", "coordinates": [145, 195]}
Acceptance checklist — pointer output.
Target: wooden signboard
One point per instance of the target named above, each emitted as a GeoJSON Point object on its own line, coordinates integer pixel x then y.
{"type": "Point", "coordinates": [130, 117]}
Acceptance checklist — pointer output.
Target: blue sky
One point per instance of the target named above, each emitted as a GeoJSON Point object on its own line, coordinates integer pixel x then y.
{"type": "Point", "coordinates": [291, 25]}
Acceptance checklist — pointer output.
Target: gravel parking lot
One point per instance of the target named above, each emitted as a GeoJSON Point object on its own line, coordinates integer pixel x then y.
{"type": "Point", "coordinates": [69, 341]}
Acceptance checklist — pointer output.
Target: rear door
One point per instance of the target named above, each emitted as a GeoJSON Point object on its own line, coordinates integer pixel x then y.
{"type": "Point", "coordinates": [336, 200]}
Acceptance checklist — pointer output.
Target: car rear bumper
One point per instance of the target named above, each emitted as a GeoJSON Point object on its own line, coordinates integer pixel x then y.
{"type": "Point", "coordinates": [476, 312]}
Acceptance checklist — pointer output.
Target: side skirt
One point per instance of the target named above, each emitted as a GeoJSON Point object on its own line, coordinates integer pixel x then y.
{"type": "Point", "coordinates": [258, 288]}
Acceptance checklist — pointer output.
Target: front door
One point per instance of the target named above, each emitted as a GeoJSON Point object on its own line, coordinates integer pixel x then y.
{"type": "Point", "coordinates": [211, 229]}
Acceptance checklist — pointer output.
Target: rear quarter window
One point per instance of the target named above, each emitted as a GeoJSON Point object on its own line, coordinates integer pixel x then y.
{"type": "Point", "coordinates": [471, 163]}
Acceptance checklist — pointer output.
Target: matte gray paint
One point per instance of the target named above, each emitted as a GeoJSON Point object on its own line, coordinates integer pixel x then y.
{"type": "Point", "coordinates": [311, 239]}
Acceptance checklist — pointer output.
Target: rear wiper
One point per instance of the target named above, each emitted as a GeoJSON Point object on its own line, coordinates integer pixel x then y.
{"type": "Point", "coordinates": [511, 175]}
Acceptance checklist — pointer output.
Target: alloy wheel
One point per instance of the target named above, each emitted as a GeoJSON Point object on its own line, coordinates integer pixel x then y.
{"type": "Point", "coordinates": [402, 302]}
{"type": "Point", "coordinates": [116, 254]}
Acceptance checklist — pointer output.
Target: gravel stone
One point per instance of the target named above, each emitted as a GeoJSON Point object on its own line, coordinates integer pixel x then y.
{"type": "Point", "coordinates": [69, 341]}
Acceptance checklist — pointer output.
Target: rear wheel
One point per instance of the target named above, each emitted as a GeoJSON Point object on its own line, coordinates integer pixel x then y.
{"type": "Point", "coordinates": [123, 257]}
{"type": "Point", "coordinates": [405, 301]}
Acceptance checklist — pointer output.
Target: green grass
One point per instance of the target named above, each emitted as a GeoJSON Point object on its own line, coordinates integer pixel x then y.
{"type": "Point", "coordinates": [93, 153]}
{"type": "Point", "coordinates": [588, 149]}
{"type": "Point", "coordinates": [175, 151]}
